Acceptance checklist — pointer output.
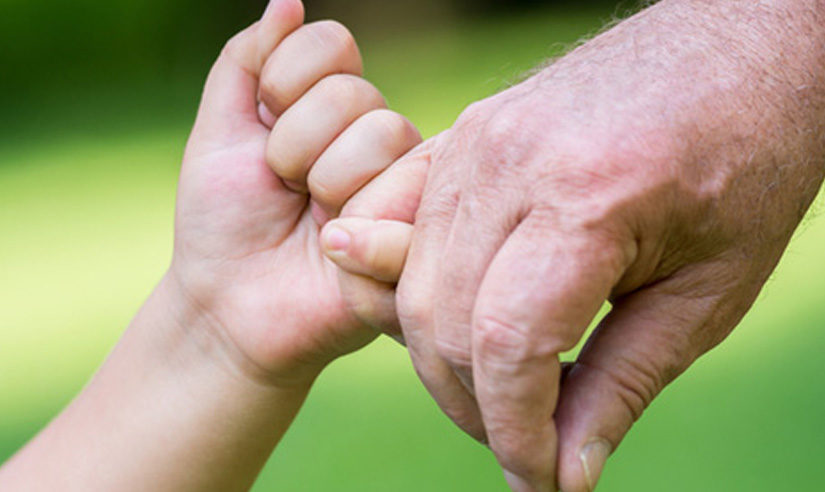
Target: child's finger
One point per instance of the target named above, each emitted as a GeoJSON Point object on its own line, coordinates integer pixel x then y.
{"type": "Point", "coordinates": [372, 302]}
{"type": "Point", "coordinates": [365, 149]}
{"type": "Point", "coordinates": [395, 193]}
{"type": "Point", "coordinates": [371, 248]}
{"type": "Point", "coordinates": [306, 56]}
{"type": "Point", "coordinates": [230, 95]}
{"type": "Point", "coordinates": [310, 125]}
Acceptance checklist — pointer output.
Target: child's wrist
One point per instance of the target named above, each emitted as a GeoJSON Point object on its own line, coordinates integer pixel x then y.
{"type": "Point", "coordinates": [188, 413]}
{"type": "Point", "coordinates": [187, 324]}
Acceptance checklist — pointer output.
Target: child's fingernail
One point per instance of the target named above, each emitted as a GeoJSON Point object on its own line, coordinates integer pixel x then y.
{"type": "Point", "coordinates": [319, 214]}
{"type": "Point", "coordinates": [337, 239]}
{"type": "Point", "coordinates": [268, 7]}
{"type": "Point", "coordinates": [295, 186]}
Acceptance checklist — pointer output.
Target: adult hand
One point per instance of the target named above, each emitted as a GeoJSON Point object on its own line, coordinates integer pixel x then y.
{"type": "Point", "coordinates": [662, 166]}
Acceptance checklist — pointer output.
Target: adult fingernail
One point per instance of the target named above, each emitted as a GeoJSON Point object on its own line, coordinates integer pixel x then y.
{"type": "Point", "coordinates": [593, 456]}
{"type": "Point", "coordinates": [516, 483]}
{"type": "Point", "coordinates": [337, 239]}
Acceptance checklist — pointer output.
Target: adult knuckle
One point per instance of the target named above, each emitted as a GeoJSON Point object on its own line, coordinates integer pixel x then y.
{"type": "Point", "coordinates": [634, 382]}
{"type": "Point", "coordinates": [474, 115]}
{"type": "Point", "coordinates": [439, 201]}
{"type": "Point", "coordinates": [502, 130]}
{"type": "Point", "coordinates": [502, 145]}
{"type": "Point", "coordinates": [415, 306]}
{"type": "Point", "coordinates": [512, 346]}
{"type": "Point", "coordinates": [501, 340]}
{"type": "Point", "coordinates": [513, 455]}
{"type": "Point", "coordinates": [455, 353]}
{"type": "Point", "coordinates": [506, 147]}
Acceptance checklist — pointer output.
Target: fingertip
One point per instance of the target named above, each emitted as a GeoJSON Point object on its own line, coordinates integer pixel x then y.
{"type": "Point", "coordinates": [230, 93]}
{"type": "Point", "coordinates": [581, 467]}
{"type": "Point", "coordinates": [289, 11]}
{"type": "Point", "coordinates": [376, 249]}
{"type": "Point", "coordinates": [319, 215]}
{"type": "Point", "coordinates": [593, 455]}
{"type": "Point", "coordinates": [280, 18]}
{"type": "Point", "coordinates": [336, 240]}
{"type": "Point", "coordinates": [265, 115]}
{"type": "Point", "coordinates": [516, 483]}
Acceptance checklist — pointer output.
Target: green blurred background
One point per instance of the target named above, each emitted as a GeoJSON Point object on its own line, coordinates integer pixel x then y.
{"type": "Point", "coordinates": [96, 99]}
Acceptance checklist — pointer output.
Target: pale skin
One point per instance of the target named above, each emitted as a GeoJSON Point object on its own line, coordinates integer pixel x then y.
{"type": "Point", "coordinates": [662, 166]}
{"type": "Point", "coordinates": [215, 366]}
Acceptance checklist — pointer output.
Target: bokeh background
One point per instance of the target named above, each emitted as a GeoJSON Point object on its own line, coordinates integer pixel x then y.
{"type": "Point", "coordinates": [96, 100]}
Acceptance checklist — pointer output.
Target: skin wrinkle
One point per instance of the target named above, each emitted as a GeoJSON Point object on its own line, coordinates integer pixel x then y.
{"type": "Point", "coordinates": [762, 170]}
{"type": "Point", "coordinates": [688, 138]}
{"type": "Point", "coordinates": [722, 185]}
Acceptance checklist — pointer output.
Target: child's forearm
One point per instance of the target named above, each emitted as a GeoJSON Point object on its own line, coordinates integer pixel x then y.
{"type": "Point", "coordinates": [165, 412]}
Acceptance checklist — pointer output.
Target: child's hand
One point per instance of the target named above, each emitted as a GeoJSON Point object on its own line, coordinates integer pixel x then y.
{"type": "Point", "coordinates": [247, 255]}
{"type": "Point", "coordinates": [370, 240]}
{"type": "Point", "coordinates": [216, 364]}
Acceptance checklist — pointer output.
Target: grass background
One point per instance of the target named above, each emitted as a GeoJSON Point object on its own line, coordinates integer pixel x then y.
{"type": "Point", "coordinates": [86, 200]}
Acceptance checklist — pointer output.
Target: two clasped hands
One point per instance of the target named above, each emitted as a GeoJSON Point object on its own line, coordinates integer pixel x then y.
{"type": "Point", "coordinates": [662, 166]}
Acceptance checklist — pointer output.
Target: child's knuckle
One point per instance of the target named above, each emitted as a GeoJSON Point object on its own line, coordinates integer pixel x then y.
{"type": "Point", "coordinates": [324, 191]}
{"type": "Point", "coordinates": [389, 125]}
{"type": "Point", "coordinates": [335, 36]}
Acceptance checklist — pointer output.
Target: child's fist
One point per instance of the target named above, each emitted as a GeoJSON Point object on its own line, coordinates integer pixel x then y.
{"type": "Point", "coordinates": [284, 99]}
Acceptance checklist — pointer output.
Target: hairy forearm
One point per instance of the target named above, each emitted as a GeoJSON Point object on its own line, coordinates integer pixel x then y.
{"type": "Point", "coordinates": [165, 412]}
{"type": "Point", "coordinates": [736, 62]}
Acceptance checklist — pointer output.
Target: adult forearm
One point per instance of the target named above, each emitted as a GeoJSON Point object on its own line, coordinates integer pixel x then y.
{"type": "Point", "coordinates": [165, 412]}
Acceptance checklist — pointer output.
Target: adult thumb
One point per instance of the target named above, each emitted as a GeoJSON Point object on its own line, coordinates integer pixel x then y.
{"type": "Point", "coordinates": [647, 340]}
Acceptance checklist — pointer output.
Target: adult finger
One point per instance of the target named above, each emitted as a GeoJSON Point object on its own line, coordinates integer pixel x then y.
{"type": "Point", "coordinates": [371, 256]}
{"type": "Point", "coordinates": [481, 145]}
{"type": "Point", "coordinates": [393, 195]}
{"type": "Point", "coordinates": [419, 287]}
{"type": "Point", "coordinates": [372, 302]}
{"type": "Point", "coordinates": [307, 55]}
{"type": "Point", "coordinates": [482, 225]}
{"type": "Point", "coordinates": [309, 126]}
{"type": "Point", "coordinates": [229, 103]}
{"type": "Point", "coordinates": [537, 297]}
{"type": "Point", "coordinates": [646, 341]}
